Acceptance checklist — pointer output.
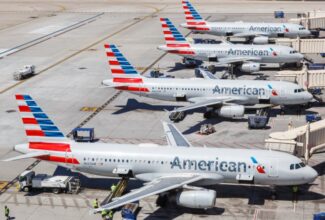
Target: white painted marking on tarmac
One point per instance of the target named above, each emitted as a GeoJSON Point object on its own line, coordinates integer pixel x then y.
{"type": "Point", "coordinates": [47, 29]}
{"type": "Point", "coordinates": [2, 50]}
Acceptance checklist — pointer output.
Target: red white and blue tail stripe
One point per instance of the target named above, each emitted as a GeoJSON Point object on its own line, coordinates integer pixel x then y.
{"type": "Point", "coordinates": [193, 18]}
{"type": "Point", "coordinates": [38, 126]}
{"type": "Point", "coordinates": [172, 36]}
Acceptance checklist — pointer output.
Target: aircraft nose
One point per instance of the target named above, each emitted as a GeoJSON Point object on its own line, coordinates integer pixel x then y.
{"type": "Point", "coordinates": [300, 56]}
{"type": "Point", "coordinates": [309, 96]}
{"type": "Point", "coordinates": [311, 174]}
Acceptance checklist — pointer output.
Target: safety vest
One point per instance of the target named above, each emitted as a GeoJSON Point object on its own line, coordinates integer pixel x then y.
{"type": "Point", "coordinates": [295, 189]}
{"type": "Point", "coordinates": [95, 204]}
{"type": "Point", "coordinates": [113, 188]}
{"type": "Point", "coordinates": [110, 214]}
{"type": "Point", "coordinates": [7, 211]}
{"type": "Point", "coordinates": [104, 213]}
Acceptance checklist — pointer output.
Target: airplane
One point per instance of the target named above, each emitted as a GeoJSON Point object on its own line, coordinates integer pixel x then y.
{"type": "Point", "coordinates": [247, 57]}
{"type": "Point", "coordinates": [179, 166]}
{"type": "Point", "coordinates": [225, 98]}
{"type": "Point", "coordinates": [258, 32]}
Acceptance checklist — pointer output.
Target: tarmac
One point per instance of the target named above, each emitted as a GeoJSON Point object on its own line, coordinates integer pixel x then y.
{"type": "Point", "coordinates": [64, 40]}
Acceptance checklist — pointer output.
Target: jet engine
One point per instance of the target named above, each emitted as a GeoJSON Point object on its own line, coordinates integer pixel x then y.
{"type": "Point", "coordinates": [231, 111]}
{"type": "Point", "coordinates": [261, 40]}
{"type": "Point", "coordinates": [196, 199]}
{"type": "Point", "coordinates": [250, 67]}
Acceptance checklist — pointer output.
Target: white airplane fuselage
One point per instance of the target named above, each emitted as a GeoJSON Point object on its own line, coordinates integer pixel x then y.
{"type": "Point", "coordinates": [249, 91]}
{"type": "Point", "coordinates": [148, 161]}
{"type": "Point", "coordinates": [268, 53]}
{"type": "Point", "coordinates": [272, 30]}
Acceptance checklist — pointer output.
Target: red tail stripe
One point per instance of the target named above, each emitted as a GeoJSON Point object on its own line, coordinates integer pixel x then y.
{"type": "Point", "coordinates": [188, 13]}
{"type": "Point", "coordinates": [35, 133]}
{"type": "Point", "coordinates": [59, 159]}
{"type": "Point", "coordinates": [164, 25]}
{"type": "Point", "coordinates": [185, 7]}
{"type": "Point", "coordinates": [113, 62]}
{"type": "Point", "coordinates": [117, 71]}
{"type": "Point", "coordinates": [169, 38]}
{"type": "Point", "coordinates": [167, 32]}
{"type": "Point", "coordinates": [196, 23]}
{"type": "Point", "coordinates": [30, 121]}
{"type": "Point", "coordinates": [24, 108]}
{"type": "Point", "coordinates": [50, 146]}
{"type": "Point", "coordinates": [19, 97]}
{"type": "Point", "coordinates": [178, 45]}
{"type": "Point", "coordinates": [106, 46]}
{"type": "Point", "coordinates": [134, 89]}
{"type": "Point", "coordinates": [127, 80]}
{"type": "Point", "coordinates": [189, 17]}
{"type": "Point", "coordinates": [183, 52]}
{"type": "Point", "coordinates": [110, 54]}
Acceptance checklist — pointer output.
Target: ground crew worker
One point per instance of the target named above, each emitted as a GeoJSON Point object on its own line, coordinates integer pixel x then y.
{"type": "Point", "coordinates": [95, 203]}
{"type": "Point", "coordinates": [295, 193]}
{"type": "Point", "coordinates": [104, 214]}
{"type": "Point", "coordinates": [110, 215]}
{"type": "Point", "coordinates": [7, 212]}
{"type": "Point", "coordinates": [113, 188]}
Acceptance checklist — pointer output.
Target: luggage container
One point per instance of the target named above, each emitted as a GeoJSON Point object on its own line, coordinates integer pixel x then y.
{"type": "Point", "coordinates": [278, 14]}
{"type": "Point", "coordinates": [319, 216]}
{"type": "Point", "coordinates": [257, 121]}
{"type": "Point", "coordinates": [129, 211]}
{"type": "Point", "coordinates": [313, 117]}
{"type": "Point", "coordinates": [84, 134]}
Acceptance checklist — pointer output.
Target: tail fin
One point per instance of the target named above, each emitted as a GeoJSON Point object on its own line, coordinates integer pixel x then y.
{"type": "Point", "coordinates": [193, 18]}
{"type": "Point", "coordinates": [122, 70]}
{"type": "Point", "coordinates": [172, 36]}
{"type": "Point", "coordinates": [38, 126]}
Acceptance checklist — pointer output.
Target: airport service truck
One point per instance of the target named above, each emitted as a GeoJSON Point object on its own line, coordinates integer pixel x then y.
{"type": "Point", "coordinates": [29, 181]}
{"type": "Point", "coordinates": [25, 72]}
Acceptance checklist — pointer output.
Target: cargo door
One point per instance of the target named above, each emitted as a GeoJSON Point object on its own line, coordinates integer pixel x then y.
{"type": "Point", "coordinates": [264, 97]}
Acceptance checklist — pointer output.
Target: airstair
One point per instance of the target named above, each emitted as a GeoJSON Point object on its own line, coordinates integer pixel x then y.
{"type": "Point", "coordinates": [120, 188]}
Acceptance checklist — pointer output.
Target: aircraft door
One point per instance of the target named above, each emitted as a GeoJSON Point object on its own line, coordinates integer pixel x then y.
{"type": "Point", "coordinates": [264, 97]}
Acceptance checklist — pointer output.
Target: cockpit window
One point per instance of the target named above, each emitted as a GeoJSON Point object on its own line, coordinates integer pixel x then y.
{"type": "Point", "coordinates": [302, 164]}
{"type": "Point", "coordinates": [293, 51]}
{"type": "Point", "coordinates": [297, 166]}
{"type": "Point", "coordinates": [298, 90]}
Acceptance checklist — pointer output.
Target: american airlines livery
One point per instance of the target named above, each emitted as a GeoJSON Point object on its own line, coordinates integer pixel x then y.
{"type": "Point", "coordinates": [247, 56]}
{"type": "Point", "coordinates": [225, 98]}
{"type": "Point", "coordinates": [260, 32]}
{"type": "Point", "coordinates": [176, 167]}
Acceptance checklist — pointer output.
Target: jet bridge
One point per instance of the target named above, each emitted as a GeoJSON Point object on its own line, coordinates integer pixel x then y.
{"type": "Point", "coordinates": [301, 141]}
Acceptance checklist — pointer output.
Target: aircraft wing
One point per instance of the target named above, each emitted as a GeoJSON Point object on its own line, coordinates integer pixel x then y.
{"type": "Point", "coordinates": [206, 74]}
{"type": "Point", "coordinates": [233, 60]}
{"type": "Point", "coordinates": [209, 102]}
{"type": "Point", "coordinates": [156, 186]}
{"type": "Point", "coordinates": [26, 156]}
{"type": "Point", "coordinates": [251, 34]}
{"type": "Point", "coordinates": [174, 136]}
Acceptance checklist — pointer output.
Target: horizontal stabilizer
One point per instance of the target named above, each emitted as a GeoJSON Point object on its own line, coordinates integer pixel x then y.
{"type": "Point", "coordinates": [26, 156]}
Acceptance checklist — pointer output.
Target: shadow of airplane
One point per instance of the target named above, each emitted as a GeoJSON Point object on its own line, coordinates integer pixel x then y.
{"type": "Point", "coordinates": [133, 104]}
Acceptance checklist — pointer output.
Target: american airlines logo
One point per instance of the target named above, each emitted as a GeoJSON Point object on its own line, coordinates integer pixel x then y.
{"type": "Point", "coordinates": [265, 29]}
{"type": "Point", "coordinates": [249, 52]}
{"type": "Point", "coordinates": [238, 90]}
{"type": "Point", "coordinates": [208, 165]}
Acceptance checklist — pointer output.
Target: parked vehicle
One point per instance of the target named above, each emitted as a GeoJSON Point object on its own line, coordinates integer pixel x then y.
{"type": "Point", "coordinates": [25, 72]}
{"type": "Point", "coordinates": [29, 181]}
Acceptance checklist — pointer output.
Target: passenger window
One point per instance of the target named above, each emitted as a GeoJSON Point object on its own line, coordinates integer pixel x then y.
{"type": "Point", "coordinates": [292, 166]}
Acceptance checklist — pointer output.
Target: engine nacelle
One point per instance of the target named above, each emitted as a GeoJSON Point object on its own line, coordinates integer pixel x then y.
{"type": "Point", "coordinates": [231, 111]}
{"type": "Point", "coordinates": [261, 40]}
{"type": "Point", "coordinates": [250, 67]}
{"type": "Point", "coordinates": [197, 199]}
